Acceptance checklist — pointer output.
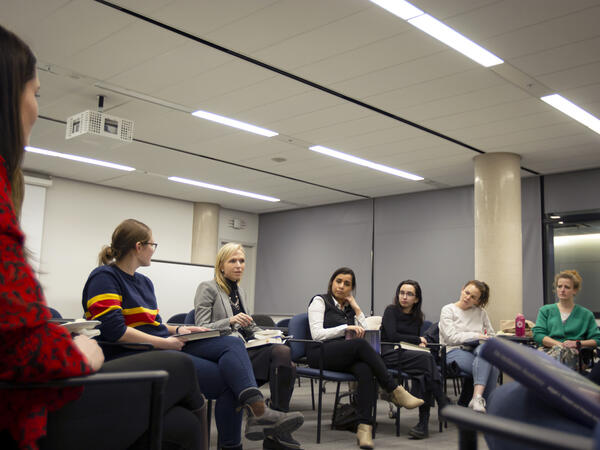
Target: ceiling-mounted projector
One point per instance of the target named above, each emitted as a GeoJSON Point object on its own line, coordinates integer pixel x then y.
{"type": "Point", "coordinates": [96, 123]}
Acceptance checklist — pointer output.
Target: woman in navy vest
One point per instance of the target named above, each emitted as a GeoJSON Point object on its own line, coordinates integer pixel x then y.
{"type": "Point", "coordinates": [336, 318]}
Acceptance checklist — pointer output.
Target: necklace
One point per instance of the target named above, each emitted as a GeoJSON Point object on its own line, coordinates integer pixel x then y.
{"type": "Point", "coordinates": [234, 299]}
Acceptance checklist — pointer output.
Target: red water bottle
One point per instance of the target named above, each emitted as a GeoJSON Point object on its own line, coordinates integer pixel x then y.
{"type": "Point", "coordinates": [520, 325]}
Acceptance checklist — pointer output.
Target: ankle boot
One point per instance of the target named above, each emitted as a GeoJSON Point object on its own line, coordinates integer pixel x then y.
{"type": "Point", "coordinates": [400, 397]}
{"type": "Point", "coordinates": [421, 430]}
{"type": "Point", "coordinates": [364, 436]}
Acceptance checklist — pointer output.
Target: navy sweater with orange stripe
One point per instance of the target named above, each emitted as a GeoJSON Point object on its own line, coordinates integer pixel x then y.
{"type": "Point", "coordinates": [120, 300]}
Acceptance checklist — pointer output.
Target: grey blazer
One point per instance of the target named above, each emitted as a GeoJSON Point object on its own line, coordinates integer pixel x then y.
{"type": "Point", "coordinates": [212, 308]}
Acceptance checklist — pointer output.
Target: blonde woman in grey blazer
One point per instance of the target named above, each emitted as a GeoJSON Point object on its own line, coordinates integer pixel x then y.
{"type": "Point", "coordinates": [221, 304]}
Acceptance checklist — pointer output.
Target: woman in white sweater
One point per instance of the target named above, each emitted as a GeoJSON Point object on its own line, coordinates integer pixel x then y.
{"type": "Point", "coordinates": [463, 326]}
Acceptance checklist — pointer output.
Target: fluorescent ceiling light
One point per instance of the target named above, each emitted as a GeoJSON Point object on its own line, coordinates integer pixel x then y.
{"type": "Point", "coordinates": [364, 162]}
{"type": "Point", "coordinates": [457, 41]}
{"type": "Point", "coordinates": [555, 217]}
{"type": "Point", "coordinates": [573, 111]}
{"type": "Point", "coordinates": [440, 31]}
{"type": "Point", "coordinates": [224, 189]}
{"type": "Point", "coordinates": [234, 123]}
{"type": "Point", "coordinates": [400, 8]}
{"type": "Point", "coordinates": [97, 162]}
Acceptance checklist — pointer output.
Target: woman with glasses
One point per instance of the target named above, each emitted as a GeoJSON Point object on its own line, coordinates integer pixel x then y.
{"type": "Point", "coordinates": [336, 319]}
{"type": "Point", "coordinates": [464, 324]}
{"type": "Point", "coordinates": [402, 322]}
{"type": "Point", "coordinates": [123, 301]}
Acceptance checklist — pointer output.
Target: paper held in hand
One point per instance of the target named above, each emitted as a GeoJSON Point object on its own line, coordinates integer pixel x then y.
{"type": "Point", "coordinates": [197, 335]}
{"type": "Point", "coordinates": [266, 337]}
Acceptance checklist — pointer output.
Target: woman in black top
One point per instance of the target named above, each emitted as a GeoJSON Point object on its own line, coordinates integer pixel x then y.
{"type": "Point", "coordinates": [332, 317]}
{"type": "Point", "coordinates": [402, 321]}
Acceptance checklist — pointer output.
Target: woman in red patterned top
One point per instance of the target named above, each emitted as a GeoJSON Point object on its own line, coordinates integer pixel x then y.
{"type": "Point", "coordinates": [32, 348]}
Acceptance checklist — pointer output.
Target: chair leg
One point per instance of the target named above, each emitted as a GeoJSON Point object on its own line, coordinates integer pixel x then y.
{"type": "Point", "coordinates": [312, 393]}
{"type": "Point", "coordinates": [335, 403]}
{"type": "Point", "coordinates": [319, 411]}
{"type": "Point", "coordinates": [208, 417]}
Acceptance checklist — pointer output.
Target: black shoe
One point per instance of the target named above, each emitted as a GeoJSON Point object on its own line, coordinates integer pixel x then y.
{"type": "Point", "coordinates": [419, 431]}
{"type": "Point", "coordinates": [285, 441]}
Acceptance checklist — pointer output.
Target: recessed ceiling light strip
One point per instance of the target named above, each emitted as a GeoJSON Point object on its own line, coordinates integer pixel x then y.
{"type": "Point", "coordinates": [364, 162]}
{"type": "Point", "coordinates": [440, 31]}
{"type": "Point", "coordinates": [82, 159]}
{"type": "Point", "coordinates": [572, 110]}
{"type": "Point", "coordinates": [234, 123]}
{"type": "Point", "coordinates": [216, 187]}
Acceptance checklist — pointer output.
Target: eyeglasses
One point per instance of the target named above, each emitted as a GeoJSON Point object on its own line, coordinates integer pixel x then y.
{"type": "Point", "coordinates": [407, 294]}
{"type": "Point", "coordinates": [153, 244]}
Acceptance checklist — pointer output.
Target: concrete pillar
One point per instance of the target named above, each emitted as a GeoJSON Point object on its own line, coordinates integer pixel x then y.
{"type": "Point", "coordinates": [498, 244]}
{"type": "Point", "coordinates": [205, 233]}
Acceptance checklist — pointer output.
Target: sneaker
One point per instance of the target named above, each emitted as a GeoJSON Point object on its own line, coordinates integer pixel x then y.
{"type": "Point", "coordinates": [285, 441]}
{"type": "Point", "coordinates": [272, 424]}
{"type": "Point", "coordinates": [477, 404]}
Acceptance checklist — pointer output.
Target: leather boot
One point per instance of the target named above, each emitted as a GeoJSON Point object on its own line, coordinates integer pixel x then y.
{"type": "Point", "coordinates": [364, 436]}
{"type": "Point", "coordinates": [421, 430]}
{"type": "Point", "coordinates": [400, 397]}
{"type": "Point", "coordinates": [200, 413]}
{"type": "Point", "coordinates": [281, 383]}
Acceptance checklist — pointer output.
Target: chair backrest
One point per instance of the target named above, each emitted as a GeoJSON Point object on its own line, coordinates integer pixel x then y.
{"type": "Point", "coordinates": [190, 318]}
{"type": "Point", "coordinates": [55, 314]}
{"type": "Point", "coordinates": [262, 320]}
{"type": "Point", "coordinates": [283, 322]}
{"type": "Point", "coordinates": [424, 327]}
{"type": "Point", "coordinates": [299, 329]}
{"type": "Point", "coordinates": [177, 318]}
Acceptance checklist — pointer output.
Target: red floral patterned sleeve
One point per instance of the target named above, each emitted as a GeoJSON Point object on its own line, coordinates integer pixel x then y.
{"type": "Point", "coordinates": [31, 348]}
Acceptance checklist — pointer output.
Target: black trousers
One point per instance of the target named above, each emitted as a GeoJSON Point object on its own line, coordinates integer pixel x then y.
{"type": "Point", "coordinates": [419, 365]}
{"type": "Point", "coordinates": [116, 416]}
{"type": "Point", "coordinates": [359, 358]}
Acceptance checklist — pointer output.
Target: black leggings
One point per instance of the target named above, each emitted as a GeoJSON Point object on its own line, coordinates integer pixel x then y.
{"type": "Point", "coordinates": [357, 357]}
{"type": "Point", "coordinates": [420, 365]}
{"type": "Point", "coordinates": [116, 416]}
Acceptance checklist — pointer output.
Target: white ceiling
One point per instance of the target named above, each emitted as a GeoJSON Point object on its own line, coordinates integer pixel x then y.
{"type": "Point", "coordinates": [368, 73]}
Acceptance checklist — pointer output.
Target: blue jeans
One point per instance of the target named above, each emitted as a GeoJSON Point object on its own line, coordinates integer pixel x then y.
{"type": "Point", "coordinates": [224, 372]}
{"type": "Point", "coordinates": [483, 372]}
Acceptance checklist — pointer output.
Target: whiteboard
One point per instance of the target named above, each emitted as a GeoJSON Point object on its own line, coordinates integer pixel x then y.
{"type": "Point", "coordinates": [175, 285]}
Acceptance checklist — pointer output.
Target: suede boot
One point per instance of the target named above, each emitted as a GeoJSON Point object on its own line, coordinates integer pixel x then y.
{"type": "Point", "coordinates": [364, 436]}
{"type": "Point", "coordinates": [421, 430]}
{"type": "Point", "coordinates": [401, 397]}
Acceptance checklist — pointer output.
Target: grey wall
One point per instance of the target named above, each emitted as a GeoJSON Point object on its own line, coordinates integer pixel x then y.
{"type": "Point", "coordinates": [299, 250]}
{"type": "Point", "coordinates": [427, 236]}
{"type": "Point", "coordinates": [572, 191]}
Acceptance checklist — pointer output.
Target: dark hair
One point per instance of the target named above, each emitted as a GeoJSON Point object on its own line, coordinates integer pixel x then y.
{"type": "Point", "coordinates": [127, 234]}
{"type": "Point", "coordinates": [483, 288]}
{"type": "Point", "coordinates": [342, 271]}
{"type": "Point", "coordinates": [416, 312]}
{"type": "Point", "coordinates": [17, 67]}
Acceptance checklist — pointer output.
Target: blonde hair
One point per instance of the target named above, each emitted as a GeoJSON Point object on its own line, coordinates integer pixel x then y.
{"type": "Point", "coordinates": [127, 234]}
{"type": "Point", "coordinates": [223, 255]}
{"type": "Point", "coordinates": [572, 275]}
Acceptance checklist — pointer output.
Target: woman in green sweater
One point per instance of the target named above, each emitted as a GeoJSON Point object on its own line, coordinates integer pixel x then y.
{"type": "Point", "coordinates": [560, 326]}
